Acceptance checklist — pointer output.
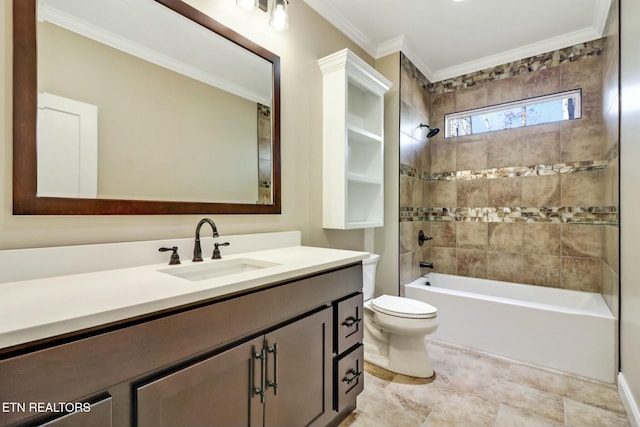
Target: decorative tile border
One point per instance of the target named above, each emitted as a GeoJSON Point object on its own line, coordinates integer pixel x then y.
{"type": "Point", "coordinates": [603, 215]}
{"type": "Point", "coordinates": [543, 61]}
{"type": "Point", "coordinates": [264, 110]}
{"type": "Point", "coordinates": [507, 172]}
{"type": "Point", "coordinates": [412, 71]}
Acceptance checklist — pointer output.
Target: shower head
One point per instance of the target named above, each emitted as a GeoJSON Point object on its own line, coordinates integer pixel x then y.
{"type": "Point", "coordinates": [432, 131]}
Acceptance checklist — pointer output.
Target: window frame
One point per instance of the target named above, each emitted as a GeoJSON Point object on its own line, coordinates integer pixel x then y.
{"type": "Point", "coordinates": [505, 106]}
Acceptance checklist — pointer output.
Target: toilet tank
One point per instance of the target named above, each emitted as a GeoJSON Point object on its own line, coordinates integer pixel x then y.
{"type": "Point", "coordinates": [369, 276]}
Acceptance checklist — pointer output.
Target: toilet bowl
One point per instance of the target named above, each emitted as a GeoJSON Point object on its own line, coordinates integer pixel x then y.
{"type": "Point", "coordinates": [395, 328]}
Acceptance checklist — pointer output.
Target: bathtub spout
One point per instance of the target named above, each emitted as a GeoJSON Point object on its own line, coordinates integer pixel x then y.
{"type": "Point", "coordinates": [424, 264]}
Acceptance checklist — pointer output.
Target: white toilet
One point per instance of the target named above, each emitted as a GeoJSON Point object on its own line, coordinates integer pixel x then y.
{"type": "Point", "coordinates": [395, 327]}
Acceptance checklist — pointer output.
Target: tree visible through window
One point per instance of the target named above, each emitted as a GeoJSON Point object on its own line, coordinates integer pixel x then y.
{"type": "Point", "coordinates": [528, 112]}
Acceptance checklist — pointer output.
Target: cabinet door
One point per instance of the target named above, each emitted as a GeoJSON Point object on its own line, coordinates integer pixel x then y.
{"type": "Point", "coordinates": [217, 392]}
{"type": "Point", "coordinates": [298, 390]}
{"type": "Point", "coordinates": [96, 415]}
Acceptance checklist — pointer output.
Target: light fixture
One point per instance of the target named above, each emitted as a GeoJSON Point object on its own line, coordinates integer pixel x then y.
{"type": "Point", "coordinates": [247, 5]}
{"type": "Point", "coordinates": [279, 16]}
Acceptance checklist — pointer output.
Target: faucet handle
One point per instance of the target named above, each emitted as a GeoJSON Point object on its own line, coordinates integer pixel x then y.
{"type": "Point", "coordinates": [175, 258]}
{"type": "Point", "coordinates": [216, 251]}
{"type": "Point", "coordinates": [422, 237]}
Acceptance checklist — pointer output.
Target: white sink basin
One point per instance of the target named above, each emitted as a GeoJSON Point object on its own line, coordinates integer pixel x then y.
{"type": "Point", "coordinates": [219, 268]}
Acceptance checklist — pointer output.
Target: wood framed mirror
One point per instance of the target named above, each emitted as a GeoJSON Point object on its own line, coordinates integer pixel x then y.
{"type": "Point", "coordinates": [169, 157]}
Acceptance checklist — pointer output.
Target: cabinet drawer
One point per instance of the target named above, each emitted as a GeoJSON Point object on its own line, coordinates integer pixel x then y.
{"type": "Point", "coordinates": [349, 323]}
{"type": "Point", "coordinates": [349, 378]}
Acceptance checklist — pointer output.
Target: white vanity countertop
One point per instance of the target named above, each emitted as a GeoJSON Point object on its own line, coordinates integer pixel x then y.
{"type": "Point", "coordinates": [41, 308]}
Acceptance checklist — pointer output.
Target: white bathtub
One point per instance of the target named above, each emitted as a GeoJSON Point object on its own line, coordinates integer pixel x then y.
{"type": "Point", "coordinates": [561, 329]}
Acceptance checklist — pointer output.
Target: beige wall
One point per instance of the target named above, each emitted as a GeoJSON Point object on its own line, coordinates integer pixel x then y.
{"type": "Point", "coordinates": [629, 200]}
{"type": "Point", "coordinates": [309, 38]}
{"type": "Point", "coordinates": [386, 238]}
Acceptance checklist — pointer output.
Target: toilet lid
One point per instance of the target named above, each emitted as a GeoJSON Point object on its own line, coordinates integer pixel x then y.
{"type": "Point", "coordinates": [403, 307]}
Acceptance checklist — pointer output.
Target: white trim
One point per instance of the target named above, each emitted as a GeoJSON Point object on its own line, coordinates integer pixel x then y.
{"type": "Point", "coordinates": [329, 12]}
{"type": "Point", "coordinates": [601, 15]}
{"type": "Point", "coordinates": [390, 46]}
{"type": "Point", "coordinates": [544, 46]}
{"type": "Point", "coordinates": [401, 44]}
{"type": "Point", "coordinates": [358, 70]}
{"type": "Point", "coordinates": [628, 401]}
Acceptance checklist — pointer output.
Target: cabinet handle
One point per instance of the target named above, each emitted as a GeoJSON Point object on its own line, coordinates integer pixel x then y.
{"type": "Point", "coordinates": [351, 376]}
{"type": "Point", "coordinates": [274, 383]}
{"type": "Point", "coordinates": [259, 390]}
{"type": "Point", "coordinates": [350, 321]}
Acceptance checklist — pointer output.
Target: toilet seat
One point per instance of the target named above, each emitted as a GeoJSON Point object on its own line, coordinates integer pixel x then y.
{"type": "Point", "coordinates": [403, 307]}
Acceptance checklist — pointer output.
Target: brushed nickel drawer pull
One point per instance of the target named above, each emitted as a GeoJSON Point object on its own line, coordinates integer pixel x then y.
{"type": "Point", "coordinates": [354, 376]}
{"type": "Point", "coordinates": [274, 383]}
{"type": "Point", "coordinates": [350, 321]}
{"type": "Point", "coordinates": [260, 390]}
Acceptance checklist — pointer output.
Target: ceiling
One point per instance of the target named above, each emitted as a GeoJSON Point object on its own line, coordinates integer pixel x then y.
{"type": "Point", "coordinates": [447, 38]}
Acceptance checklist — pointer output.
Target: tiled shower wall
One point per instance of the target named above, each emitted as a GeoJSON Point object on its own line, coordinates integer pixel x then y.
{"type": "Point", "coordinates": [415, 106]}
{"type": "Point", "coordinates": [523, 205]}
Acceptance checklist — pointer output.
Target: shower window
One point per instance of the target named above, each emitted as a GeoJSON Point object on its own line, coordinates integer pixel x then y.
{"type": "Point", "coordinates": [556, 107]}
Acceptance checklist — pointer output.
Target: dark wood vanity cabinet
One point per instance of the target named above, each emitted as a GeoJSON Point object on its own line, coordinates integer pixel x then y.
{"type": "Point", "coordinates": [278, 379]}
{"type": "Point", "coordinates": [274, 356]}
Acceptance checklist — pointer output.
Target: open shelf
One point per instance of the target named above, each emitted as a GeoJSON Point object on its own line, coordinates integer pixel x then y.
{"type": "Point", "coordinates": [353, 119]}
{"type": "Point", "coordinates": [364, 108]}
{"type": "Point", "coordinates": [363, 201]}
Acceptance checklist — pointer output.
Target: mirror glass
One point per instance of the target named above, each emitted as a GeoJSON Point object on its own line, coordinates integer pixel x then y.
{"type": "Point", "coordinates": [144, 110]}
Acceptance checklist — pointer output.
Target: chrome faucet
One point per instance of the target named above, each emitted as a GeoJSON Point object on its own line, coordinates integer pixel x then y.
{"type": "Point", "coordinates": [197, 249]}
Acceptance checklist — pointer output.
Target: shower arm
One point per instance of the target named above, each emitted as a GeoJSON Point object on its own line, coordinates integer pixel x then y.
{"type": "Point", "coordinates": [432, 131]}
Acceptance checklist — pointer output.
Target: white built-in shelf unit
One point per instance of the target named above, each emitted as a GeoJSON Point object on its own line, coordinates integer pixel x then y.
{"type": "Point", "coordinates": [353, 142]}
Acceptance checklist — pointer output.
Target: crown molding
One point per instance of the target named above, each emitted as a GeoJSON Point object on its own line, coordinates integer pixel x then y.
{"type": "Point", "coordinates": [358, 70]}
{"type": "Point", "coordinates": [401, 44]}
{"type": "Point", "coordinates": [338, 20]}
{"type": "Point", "coordinates": [505, 57]}
{"type": "Point", "coordinates": [601, 15]}
{"type": "Point", "coordinates": [390, 46]}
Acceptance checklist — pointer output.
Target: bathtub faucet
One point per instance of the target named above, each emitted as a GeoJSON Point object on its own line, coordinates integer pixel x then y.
{"type": "Point", "coordinates": [424, 264]}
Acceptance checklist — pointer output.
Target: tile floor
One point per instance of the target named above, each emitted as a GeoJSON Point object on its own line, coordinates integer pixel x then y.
{"type": "Point", "coordinates": [478, 389]}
